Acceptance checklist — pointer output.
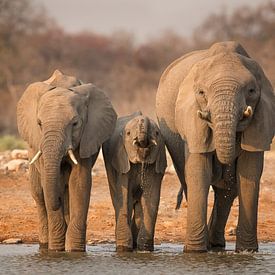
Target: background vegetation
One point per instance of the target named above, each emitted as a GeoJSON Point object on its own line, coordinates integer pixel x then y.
{"type": "Point", "coordinates": [32, 46]}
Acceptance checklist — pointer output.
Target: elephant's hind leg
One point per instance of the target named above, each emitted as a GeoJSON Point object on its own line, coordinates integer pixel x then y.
{"type": "Point", "coordinates": [136, 221]}
{"type": "Point", "coordinates": [37, 194]}
{"type": "Point", "coordinates": [224, 198]}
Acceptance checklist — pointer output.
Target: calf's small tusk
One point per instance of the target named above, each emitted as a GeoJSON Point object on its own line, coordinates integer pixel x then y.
{"type": "Point", "coordinates": [36, 157]}
{"type": "Point", "coordinates": [154, 141]}
{"type": "Point", "coordinates": [72, 157]}
{"type": "Point", "coordinates": [248, 112]}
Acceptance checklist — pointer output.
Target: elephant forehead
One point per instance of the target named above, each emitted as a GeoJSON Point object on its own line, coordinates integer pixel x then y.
{"type": "Point", "coordinates": [223, 65]}
{"type": "Point", "coordinates": [59, 98]}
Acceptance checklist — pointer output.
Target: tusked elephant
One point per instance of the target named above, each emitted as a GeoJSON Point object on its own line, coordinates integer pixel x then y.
{"type": "Point", "coordinates": [135, 161]}
{"type": "Point", "coordinates": [216, 111]}
{"type": "Point", "coordinates": [64, 123]}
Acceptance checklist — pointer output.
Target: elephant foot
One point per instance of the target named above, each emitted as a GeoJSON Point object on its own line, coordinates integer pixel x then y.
{"type": "Point", "coordinates": [43, 246]}
{"type": "Point", "coordinates": [145, 245]}
{"type": "Point", "coordinates": [216, 248]}
{"type": "Point", "coordinates": [194, 249]}
{"type": "Point", "coordinates": [122, 248]}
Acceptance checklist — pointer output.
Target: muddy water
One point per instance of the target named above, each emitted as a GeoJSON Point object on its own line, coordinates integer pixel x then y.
{"type": "Point", "coordinates": [167, 259]}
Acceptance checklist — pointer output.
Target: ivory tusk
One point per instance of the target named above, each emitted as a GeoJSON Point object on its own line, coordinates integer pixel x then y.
{"type": "Point", "coordinates": [36, 157]}
{"type": "Point", "coordinates": [72, 157]}
{"type": "Point", "coordinates": [135, 142]}
{"type": "Point", "coordinates": [154, 141]}
{"type": "Point", "coordinates": [248, 112]}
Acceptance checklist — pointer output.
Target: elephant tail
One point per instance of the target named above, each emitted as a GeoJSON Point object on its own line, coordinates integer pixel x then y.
{"type": "Point", "coordinates": [179, 197]}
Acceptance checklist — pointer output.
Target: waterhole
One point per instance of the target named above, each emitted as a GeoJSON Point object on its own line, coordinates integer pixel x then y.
{"type": "Point", "coordinates": [166, 259]}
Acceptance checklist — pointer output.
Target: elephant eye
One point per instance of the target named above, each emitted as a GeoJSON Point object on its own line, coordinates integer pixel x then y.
{"type": "Point", "coordinates": [39, 122]}
{"type": "Point", "coordinates": [157, 133]}
{"type": "Point", "coordinates": [251, 91]}
{"type": "Point", "coordinates": [201, 92]}
{"type": "Point", "coordinates": [128, 133]}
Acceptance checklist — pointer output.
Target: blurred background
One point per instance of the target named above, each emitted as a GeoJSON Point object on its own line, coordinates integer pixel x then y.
{"type": "Point", "coordinates": [121, 46]}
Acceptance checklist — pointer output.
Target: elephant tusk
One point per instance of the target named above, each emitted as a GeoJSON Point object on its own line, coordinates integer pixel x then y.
{"type": "Point", "coordinates": [154, 141]}
{"type": "Point", "coordinates": [248, 112]}
{"type": "Point", "coordinates": [72, 157]}
{"type": "Point", "coordinates": [36, 157]}
{"type": "Point", "coordinates": [135, 142]}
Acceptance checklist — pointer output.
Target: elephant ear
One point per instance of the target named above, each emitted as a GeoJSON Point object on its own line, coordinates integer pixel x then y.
{"type": "Point", "coordinates": [101, 120]}
{"type": "Point", "coordinates": [161, 161]}
{"type": "Point", "coordinates": [195, 131]}
{"type": "Point", "coordinates": [26, 113]}
{"type": "Point", "coordinates": [119, 158]}
{"type": "Point", "coordinates": [260, 132]}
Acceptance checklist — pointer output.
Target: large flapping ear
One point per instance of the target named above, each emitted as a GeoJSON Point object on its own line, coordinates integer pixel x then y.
{"type": "Point", "coordinates": [59, 79]}
{"type": "Point", "coordinates": [101, 120]}
{"type": "Point", "coordinates": [27, 113]}
{"type": "Point", "coordinates": [195, 131]}
{"type": "Point", "coordinates": [161, 161]}
{"type": "Point", "coordinates": [119, 156]}
{"type": "Point", "coordinates": [260, 132]}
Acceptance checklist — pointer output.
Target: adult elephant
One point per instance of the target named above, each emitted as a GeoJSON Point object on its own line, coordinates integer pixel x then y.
{"type": "Point", "coordinates": [64, 122]}
{"type": "Point", "coordinates": [216, 111]}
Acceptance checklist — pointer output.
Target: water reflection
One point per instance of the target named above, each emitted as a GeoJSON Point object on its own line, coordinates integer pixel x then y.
{"type": "Point", "coordinates": [102, 259]}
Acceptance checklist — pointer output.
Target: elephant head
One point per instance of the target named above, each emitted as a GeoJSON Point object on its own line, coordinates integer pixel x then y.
{"type": "Point", "coordinates": [61, 116]}
{"type": "Point", "coordinates": [138, 141]}
{"type": "Point", "coordinates": [225, 92]}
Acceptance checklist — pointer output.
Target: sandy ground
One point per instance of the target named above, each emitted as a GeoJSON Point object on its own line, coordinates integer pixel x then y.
{"type": "Point", "coordinates": [18, 217]}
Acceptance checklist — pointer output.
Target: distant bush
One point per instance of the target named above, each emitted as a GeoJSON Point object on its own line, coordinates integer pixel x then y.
{"type": "Point", "coordinates": [9, 142]}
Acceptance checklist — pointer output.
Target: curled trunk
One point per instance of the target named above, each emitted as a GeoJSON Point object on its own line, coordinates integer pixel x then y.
{"type": "Point", "coordinates": [225, 119]}
{"type": "Point", "coordinates": [143, 131]}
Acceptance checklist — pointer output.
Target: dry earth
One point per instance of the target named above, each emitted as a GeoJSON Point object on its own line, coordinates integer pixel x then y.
{"type": "Point", "coordinates": [18, 218]}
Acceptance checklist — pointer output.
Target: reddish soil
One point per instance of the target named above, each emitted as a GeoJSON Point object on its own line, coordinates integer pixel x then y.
{"type": "Point", "coordinates": [18, 217]}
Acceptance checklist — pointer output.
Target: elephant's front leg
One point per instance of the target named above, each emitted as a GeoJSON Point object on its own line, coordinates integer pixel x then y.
{"type": "Point", "coordinates": [124, 207]}
{"type": "Point", "coordinates": [79, 199]}
{"type": "Point", "coordinates": [150, 203]}
{"type": "Point", "coordinates": [198, 171]}
{"type": "Point", "coordinates": [37, 194]}
{"type": "Point", "coordinates": [249, 171]}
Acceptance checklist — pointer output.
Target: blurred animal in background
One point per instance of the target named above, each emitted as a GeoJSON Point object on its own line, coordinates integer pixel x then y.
{"type": "Point", "coordinates": [135, 162]}
{"type": "Point", "coordinates": [216, 111]}
{"type": "Point", "coordinates": [64, 123]}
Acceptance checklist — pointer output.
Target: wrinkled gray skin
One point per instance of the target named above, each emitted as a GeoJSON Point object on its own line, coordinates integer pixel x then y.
{"type": "Point", "coordinates": [135, 161]}
{"type": "Point", "coordinates": [201, 103]}
{"type": "Point", "coordinates": [54, 116]}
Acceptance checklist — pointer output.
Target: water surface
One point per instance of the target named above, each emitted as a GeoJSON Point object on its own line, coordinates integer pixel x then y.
{"type": "Point", "coordinates": [166, 259]}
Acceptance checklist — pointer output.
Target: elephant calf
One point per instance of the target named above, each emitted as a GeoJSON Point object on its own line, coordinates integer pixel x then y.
{"type": "Point", "coordinates": [135, 162]}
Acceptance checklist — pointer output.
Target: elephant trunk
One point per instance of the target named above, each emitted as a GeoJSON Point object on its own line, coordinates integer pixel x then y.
{"type": "Point", "coordinates": [225, 119]}
{"type": "Point", "coordinates": [53, 151]}
{"type": "Point", "coordinates": [142, 131]}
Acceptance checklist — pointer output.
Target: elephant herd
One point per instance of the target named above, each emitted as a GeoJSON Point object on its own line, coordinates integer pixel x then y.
{"type": "Point", "coordinates": [216, 117]}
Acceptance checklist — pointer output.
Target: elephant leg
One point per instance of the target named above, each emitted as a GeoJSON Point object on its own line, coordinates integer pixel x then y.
{"type": "Point", "coordinates": [249, 171]}
{"type": "Point", "coordinates": [223, 201]}
{"type": "Point", "coordinates": [224, 198]}
{"type": "Point", "coordinates": [136, 222]}
{"type": "Point", "coordinates": [198, 171]}
{"type": "Point", "coordinates": [79, 198]}
{"type": "Point", "coordinates": [176, 149]}
{"type": "Point", "coordinates": [124, 208]}
{"type": "Point", "coordinates": [37, 194]}
{"type": "Point", "coordinates": [149, 203]}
